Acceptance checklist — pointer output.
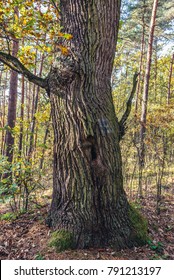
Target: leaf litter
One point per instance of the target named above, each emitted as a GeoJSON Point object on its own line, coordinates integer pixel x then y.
{"type": "Point", "coordinates": [26, 237]}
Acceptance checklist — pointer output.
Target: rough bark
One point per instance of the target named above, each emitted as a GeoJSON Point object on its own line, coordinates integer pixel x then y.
{"type": "Point", "coordinates": [88, 195]}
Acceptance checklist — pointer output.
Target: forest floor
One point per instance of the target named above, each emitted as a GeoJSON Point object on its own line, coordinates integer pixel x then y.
{"type": "Point", "coordinates": [26, 237]}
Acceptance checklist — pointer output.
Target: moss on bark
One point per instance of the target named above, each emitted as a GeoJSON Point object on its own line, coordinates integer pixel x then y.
{"type": "Point", "coordinates": [140, 226]}
{"type": "Point", "coordinates": [61, 240]}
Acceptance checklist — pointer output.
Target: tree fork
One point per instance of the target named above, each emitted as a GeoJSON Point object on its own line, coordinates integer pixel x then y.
{"type": "Point", "coordinates": [122, 122]}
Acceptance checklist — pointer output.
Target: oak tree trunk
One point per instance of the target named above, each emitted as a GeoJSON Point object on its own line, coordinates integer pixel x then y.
{"type": "Point", "coordinates": [88, 195]}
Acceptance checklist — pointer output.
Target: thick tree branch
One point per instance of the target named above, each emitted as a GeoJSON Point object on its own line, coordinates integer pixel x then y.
{"type": "Point", "coordinates": [17, 66]}
{"type": "Point", "coordinates": [122, 122]}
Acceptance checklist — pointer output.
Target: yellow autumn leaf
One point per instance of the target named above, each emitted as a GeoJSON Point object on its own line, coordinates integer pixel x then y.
{"type": "Point", "coordinates": [16, 17]}
{"type": "Point", "coordinates": [28, 4]}
{"type": "Point", "coordinates": [60, 34]}
{"type": "Point", "coordinates": [24, 22]}
{"type": "Point", "coordinates": [68, 36]}
{"type": "Point", "coordinates": [48, 49]}
{"type": "Point", "coordinates": [63, 50]}
{"type": "Point", "coordinates": [51, 36]}
{"type": "Point", "coordinates": [1, 11]}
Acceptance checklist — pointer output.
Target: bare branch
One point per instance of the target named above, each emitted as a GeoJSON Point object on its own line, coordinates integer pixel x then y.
{"type": "Point", "coordinates": [122, 122]}
{"type": "Point", "coordinates": [54, 4]}
{"type": "Point", "coordinates": [17, 66]}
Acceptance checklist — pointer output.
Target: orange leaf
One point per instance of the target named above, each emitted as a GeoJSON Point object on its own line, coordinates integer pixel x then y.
{"type": "Point", "coordinates": [63, 50]}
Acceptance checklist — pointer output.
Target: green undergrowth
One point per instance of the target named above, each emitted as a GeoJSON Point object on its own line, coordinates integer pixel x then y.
{"type": "Point", "coordinates": [39, 256]}
{"type": "Point", "coordinates": [157, 247]}
{"type": "Point", "coordinates": [61, 240]}
{"type": "Point", "coordinates": [8, 216]}
{"type": "Point", "coordinates": [139, 224]}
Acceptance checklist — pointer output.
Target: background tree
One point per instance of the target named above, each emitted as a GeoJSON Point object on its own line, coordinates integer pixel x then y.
{"type": "Point", "coordinates": [127, 60]}
{"type": "Point", "coordinates": [170, 78]}
{"type": "Point", "coordinates": [12, 102]}
{"type": "Point", "coordinates": [146, 91]}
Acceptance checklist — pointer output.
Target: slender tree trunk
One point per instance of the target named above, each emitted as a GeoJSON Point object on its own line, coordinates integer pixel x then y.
{"type": "Point", "coordinates": [11, 118]}
{"type": "Point", "coordinates": [145, 94]}
{"type": "Point", "coordinates": [155, 69]}
{"type": "Point", "coordinates": [3, 119]}
{"type": "Point", "coordinates": [44, 143]}
{"type": "Point", "coordinates": [33, 124]}
{"type": "Point", "coordinates": [138, 90]}
{"type": "Point", "coordinates": [29, 89]}
{"type": "Point", "coordinates": [88, 195]}
{"type": "Point", "coordinates": [22, 112]}
{"type": "Point", "coordinates": [21, 116]}
{"type": "Point", "coordinates": [3, 111]}
{"type": "Point", "coordinates": [34, 110]}
{"type": "Point", "coordinates": [170, 79]}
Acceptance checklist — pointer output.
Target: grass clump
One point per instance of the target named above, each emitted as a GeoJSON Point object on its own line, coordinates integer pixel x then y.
{"type": "Point", "coordinates": [8, 216]}
{"type": "Point", "coordinates": [61, 240]}
{"type": "Point", "coordinates": [39, 256]}
{"type": "Point", "coordinates": [139, 224]}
